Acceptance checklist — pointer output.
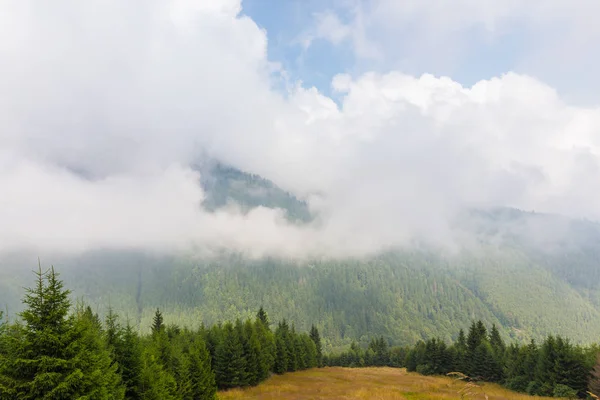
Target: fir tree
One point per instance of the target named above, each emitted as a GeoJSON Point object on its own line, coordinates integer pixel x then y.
{"type": "Point", "coordinates": [56, 356]}
{"type": "Point", "coordinates": [155, 382]}
{"type": "Point", "coordinates": [460, 361]}
{"type": "Point", "coordinates": [267, 345]}
{"type": "Point", "coordinates": [230, 363]}
{"type": "Point", "coordinates": [157, 322]}
{"type": "Point", "coordinates": [316, 338]}
{"type": "Point", "coordinates": [281, 355]}
{"type": "Point", "coordinates": [310, 352]}
{"type": "Point", "coordinates": [128, 354]}
{"type": "Point", "coordinates": [495, 339]}
{"type": "Point", "coordinates": [94, 359]}
{"type": "Point", "coordinates": [261, 315]}
{"type": "Point", "coordinates": [203, 382]}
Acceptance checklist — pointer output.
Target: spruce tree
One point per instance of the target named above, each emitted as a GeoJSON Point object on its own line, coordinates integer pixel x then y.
{"type": "Point", "coordinates": [316, 338]}
{"type": "Point", "coordinates": [281, 355]}
{"type": "Point", "coordinates": [94, 359]}
{"type": "Point", "coordinates": [460, 361]}
{"type": "Point", "coordinates": [128, 354]}
{"type": "Point", "coordinates": [310, 352]}
{"type": "Point", "coordinates": [252, 349]}
{"type": "Point", "coordinates": [157, 322]}
{"type": "Point", "coordinates": [496, 340]}
{"type": "Point", "coordinates": [54, 355]}
{"type": "Point", "coordinates": [261, 315]}
{"type": "Point", "coordinates": [203, 382]}
{"type": "Point", "coordinates": [545, 368]}
{"type": "Point", "coordinates": [230, 361]}
{"type": "Point", "coordinates": [267, 346]}
{"type": "Point", "coordinates": [292, 349]}
{"type": "Point", "coordinates": [155, 382]}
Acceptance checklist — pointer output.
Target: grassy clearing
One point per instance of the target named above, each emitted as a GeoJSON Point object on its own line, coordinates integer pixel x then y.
{"type": "Point", "coordinates": [363, 383]}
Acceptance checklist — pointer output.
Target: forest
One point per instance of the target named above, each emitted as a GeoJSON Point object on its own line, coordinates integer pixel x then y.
{"type": "Point", "coordinates": [530, 274]}
{"type": "Point", "coordinates": [59, 350]}
{"type": "Point", "coordinates": [56, 349]}
{"type": "Point", "coordinates": [554, 368]}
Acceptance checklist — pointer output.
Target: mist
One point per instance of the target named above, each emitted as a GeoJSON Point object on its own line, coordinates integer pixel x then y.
{"type": "Point", "coordinates": [105, 106]}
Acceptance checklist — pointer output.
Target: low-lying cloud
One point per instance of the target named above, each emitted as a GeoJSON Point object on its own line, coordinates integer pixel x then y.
{"type": "Point", "coordinates": [105, 105]}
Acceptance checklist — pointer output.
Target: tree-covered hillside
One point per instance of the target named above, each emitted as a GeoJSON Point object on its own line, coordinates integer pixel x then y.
{"type": "Point", "coordinates": [530, 274]}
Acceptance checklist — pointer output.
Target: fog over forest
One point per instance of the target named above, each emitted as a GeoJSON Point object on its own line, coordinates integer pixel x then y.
{"type": "Point", "coordinates": [106, 108]}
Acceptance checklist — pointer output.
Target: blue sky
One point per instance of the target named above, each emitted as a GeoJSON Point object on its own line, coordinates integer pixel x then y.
{"type": "Point", "coordinates": [467, 47]}
{"type": "Point", "coordinates": [285, 22]}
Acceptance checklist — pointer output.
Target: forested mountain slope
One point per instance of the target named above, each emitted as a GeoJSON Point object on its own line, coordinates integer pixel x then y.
{"type": "Point", "coordinates": [527, 283]}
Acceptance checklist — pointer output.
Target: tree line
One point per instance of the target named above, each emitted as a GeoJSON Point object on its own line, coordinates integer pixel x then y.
{"type": "Point", "coordinates": [554, 367]}
{"type": "Point", "coordinates": [57, 350]}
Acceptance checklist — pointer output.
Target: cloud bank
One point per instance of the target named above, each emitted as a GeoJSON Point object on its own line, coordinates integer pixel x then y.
{"type": "Point", "coordinates": [550, 39]}
{"type": "Point", "coordinates": [105, 105]}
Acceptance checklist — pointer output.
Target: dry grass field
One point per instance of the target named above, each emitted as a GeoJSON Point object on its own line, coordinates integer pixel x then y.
{"type": "Point", "coordinates": [363, 383]}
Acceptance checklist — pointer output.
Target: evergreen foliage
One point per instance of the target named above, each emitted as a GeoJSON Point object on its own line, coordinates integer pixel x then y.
{"type": "Point", "coordinates": [555, 368]}
{"type": "Point", "coordinates": [56, 351]}
{"type": "Point", "coordinates": [53, 355]}
{"type": "Point", "coordinates": [316, 338]}
{"type": "Point", "coordinates": [594, 383]}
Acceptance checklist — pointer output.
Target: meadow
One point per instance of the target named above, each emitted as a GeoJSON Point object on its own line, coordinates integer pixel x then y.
{"type": "Point", "coordinates": [365, 383]}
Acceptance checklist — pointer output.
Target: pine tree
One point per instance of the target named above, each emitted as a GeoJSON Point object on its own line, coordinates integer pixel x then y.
{"type": "Point", "coordinates": [157, 322]}
{"type": "Point", "coordinates": [180, 364]}
{"type": "Point", "coordinates": [230, 363]}
{"type": "Point", "coordinates": [252, 350]}
{"type": "Point", "coordinates": [301, 352]}
{"type": "Point", "coordinates": [477, 334]}
{"type": "Point", "coordinates": [94, 359]}
{"type": "Point", "coordinates": [281, 355]}
{"type": "Point", "coordinates": [310, 352]}
{"type": "Point", "coordinates": [155, 382]}
{"type": "Point", "coordinates": [496, 341]}
{"type": "Point", "coordinates": [268, 350]}
{"type": "Point", "coordinates": [203, 382]}
{"type": "Point", "coordinates": [262, 317]}
{"type": "Point", "coordinates": [460, 361]}
{"type": "Point", "coordinates": [498, 352]}
{"type": "Point", "coordinates": [316, 338]}
{"type": "Point", "coordinates": [113, 329]}
{"type": "Point", "coordinates": [56, 356]}
{"type": "Point", "coordinates": [128, 354]}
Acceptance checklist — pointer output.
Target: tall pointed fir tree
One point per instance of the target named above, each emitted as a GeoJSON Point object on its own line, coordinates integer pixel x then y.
{"type": "Point", "coordinates": [252, 349]}
{"type": "Point", "coordinates": [230, 361]}
{"type": "Point", "coordinates": [157, 322]}
{"type": "Point", "coordinates": [128, 355]}
{"type": "Point", "coordinates": [316, 338]}
{"type": "Point", "coordinates": [56, 356]}
{"type": "Point", "coordinates": [261, 315]}
{"type": "Point", "coordinates": [267, 345]}
{"type": "Point", "coordinates": [203, 384]}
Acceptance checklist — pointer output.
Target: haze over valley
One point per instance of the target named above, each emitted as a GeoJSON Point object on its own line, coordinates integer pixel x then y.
{"type": "Point", "coordinates": [197, 157]}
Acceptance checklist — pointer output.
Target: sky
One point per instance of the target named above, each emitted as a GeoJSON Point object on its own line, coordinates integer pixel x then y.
{"type": "Point", "coordinates": [387, 116]}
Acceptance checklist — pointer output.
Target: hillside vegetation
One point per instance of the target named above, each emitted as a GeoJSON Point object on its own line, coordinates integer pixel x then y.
{"type": "Point", "coordinates": [530, 274]}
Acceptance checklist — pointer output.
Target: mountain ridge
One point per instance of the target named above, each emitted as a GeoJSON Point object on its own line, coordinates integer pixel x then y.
{"type": "Point", "coordinates": [530, 286]}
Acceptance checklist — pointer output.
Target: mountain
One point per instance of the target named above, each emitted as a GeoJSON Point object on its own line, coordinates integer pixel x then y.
{"type": "Point", "coordinates": [531, 274]}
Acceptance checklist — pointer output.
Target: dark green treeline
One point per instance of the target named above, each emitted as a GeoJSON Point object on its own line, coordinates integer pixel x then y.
{"type": "Point", "coordinates": [554, 367]}
{"type": "Point", "coordinates": [57, 351]}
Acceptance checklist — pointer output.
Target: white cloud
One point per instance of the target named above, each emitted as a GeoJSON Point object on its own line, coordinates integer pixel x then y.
{"type": "Point", "coordinates": [552, 39]}
{"type": "Point", "coordinates": [131, 95]}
